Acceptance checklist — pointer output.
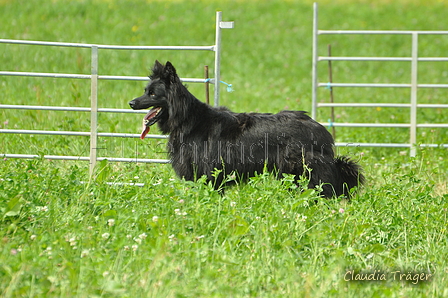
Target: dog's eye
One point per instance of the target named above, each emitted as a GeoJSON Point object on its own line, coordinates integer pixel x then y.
{"type": "Point", "coordinates": [152, 95]}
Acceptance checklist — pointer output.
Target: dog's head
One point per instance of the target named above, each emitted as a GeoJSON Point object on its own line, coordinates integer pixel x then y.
{"type": "Point", "coordinates": [156, 94]}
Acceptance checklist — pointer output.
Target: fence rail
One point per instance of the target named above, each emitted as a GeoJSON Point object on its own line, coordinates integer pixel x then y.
{"type": "Point", "coordinates": [94, 77]}
{"type": "Point", "coordinates": [88, 76]}
{"type": "Point", "coordinates": [83, 158]}
{"type": "Point", "coordinates": [107, 47]}
{"type": "Point", "coordinates": [413, 85]}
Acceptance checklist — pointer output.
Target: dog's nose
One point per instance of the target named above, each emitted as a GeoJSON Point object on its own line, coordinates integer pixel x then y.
{"type": "Point", "coordinates": [132, 103]}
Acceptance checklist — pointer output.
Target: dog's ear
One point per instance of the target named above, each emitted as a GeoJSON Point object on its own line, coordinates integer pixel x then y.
{"type": "Point", "coordinates": [157, 70]}
{"type": "Point", "coordinates": [157, 64]}
{"type": "Point", "coordinates": [169, 69]}
{"type": "Point", "coordinates": [166, 73]}
{"type": "Point", "coordinates": [169, 73]}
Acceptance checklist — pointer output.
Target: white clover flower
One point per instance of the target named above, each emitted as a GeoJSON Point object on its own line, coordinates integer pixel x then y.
{"type": "Point", "coordinates": [72, 241]}
{"type": "Point", "coordinates": [134, 247]}
{"type": "Point", "coordinates": [111, 222]}
{"type": "Point", "coordinates": [33, 237]}
{"type": "Point", "coordinates": [105, 236]}
{"type": "Point", "coordinates": [172, 238]}
{"type": "Point", "coordinates": [84, 253]}
{"type": "Point", "coordinates": [155, 218]}
{"type": "Point", "coordinates": [178, 212]}
{"type": "Point", "coordinates": [142, 236]}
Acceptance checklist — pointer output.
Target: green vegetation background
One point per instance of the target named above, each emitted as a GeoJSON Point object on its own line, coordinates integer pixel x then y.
{"type": "Point", "coordinates": [62, 235]}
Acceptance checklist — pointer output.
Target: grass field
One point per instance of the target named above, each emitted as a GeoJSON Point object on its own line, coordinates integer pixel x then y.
{"type": "Point", "coordinates": [65, 235]}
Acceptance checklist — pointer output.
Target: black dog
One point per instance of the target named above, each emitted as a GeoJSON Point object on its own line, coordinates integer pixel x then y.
{"type": "Point", "coordinates": [203, 138]}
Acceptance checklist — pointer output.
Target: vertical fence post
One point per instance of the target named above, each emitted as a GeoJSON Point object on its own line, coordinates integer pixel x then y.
{"type": "Point", "coordinates": [330, 80]}
{"type": "Point", "coordinates": [414, 87]}
{"type": "Point", "coordinates": [93, 109]}
{"type": "Point", "coordinates": [219, 25]}
{"type": "Point", "coordinates": [217, 57]}
{"type": "Point", "coordinates": [314, 71]}
{"type": "Point", "coordinates": [207, 85]}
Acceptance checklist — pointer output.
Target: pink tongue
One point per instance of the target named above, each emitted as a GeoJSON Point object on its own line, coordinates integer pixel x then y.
{"type": "Point", "coordinates": [151, 114]}
{"type": "Point", "coordinates": [145, 131]}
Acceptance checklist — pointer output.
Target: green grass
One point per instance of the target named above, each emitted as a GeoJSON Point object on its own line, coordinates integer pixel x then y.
{"type": "Point", "coordinates": [65, 235]}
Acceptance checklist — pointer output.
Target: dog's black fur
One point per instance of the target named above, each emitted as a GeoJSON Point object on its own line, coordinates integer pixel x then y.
{"type": "Point", "coordinates": [203, 138]}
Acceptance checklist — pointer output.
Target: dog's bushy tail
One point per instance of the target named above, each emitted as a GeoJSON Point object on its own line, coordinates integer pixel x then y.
{"type": "Point", "coordinates": [350, 174]}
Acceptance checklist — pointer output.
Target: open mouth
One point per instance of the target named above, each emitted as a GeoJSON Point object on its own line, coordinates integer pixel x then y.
{"type": "Point", "coordinates": [149, 120]}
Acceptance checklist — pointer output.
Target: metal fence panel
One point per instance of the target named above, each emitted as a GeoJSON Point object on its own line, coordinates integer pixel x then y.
{"type": "Point", "coordinates": [413, 85]}
{"type": "Point", "coordinates": [93, 109]}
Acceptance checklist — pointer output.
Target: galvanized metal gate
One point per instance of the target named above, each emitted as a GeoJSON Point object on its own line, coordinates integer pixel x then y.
{"type": "Point", "coordinates": [413, 104]}
{"type": "Point", "coordinates": [94, 76]}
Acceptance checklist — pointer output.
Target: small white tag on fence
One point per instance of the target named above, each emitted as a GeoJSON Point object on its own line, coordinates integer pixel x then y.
{"type": "Point", "coordinates": [226, 25]}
